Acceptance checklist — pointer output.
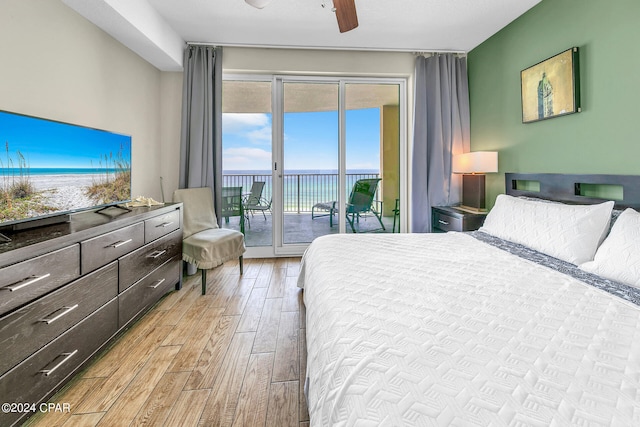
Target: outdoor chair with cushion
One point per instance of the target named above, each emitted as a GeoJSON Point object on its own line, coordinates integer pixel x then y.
{"type": "Point", "coordinates": [205, 244]}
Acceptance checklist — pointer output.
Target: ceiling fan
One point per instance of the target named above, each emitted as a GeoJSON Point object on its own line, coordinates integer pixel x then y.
{"type": "Point", "coordinates": [345, 11]}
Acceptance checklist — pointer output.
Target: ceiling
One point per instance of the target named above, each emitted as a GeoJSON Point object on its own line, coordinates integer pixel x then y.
{"type": "Point", "coordinates": [158, 29]}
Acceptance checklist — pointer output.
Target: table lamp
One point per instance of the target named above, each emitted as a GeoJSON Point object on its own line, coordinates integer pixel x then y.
{"type": "Point", "coordinates": [474, 165]}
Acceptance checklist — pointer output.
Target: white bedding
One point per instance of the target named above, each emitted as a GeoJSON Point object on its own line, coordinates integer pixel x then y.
{"type": "Point", "coordinates": [442, 329]}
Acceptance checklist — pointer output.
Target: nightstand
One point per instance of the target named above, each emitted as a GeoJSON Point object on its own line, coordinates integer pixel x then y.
{"type": "Point", "coordinates": [452, 218]}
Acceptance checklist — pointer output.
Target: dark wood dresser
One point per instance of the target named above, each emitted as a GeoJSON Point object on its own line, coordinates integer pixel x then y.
{"type": "Point", "coordinates": [67, 289]}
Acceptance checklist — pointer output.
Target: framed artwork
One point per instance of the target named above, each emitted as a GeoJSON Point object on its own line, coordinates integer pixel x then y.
{"type": "Point", "coordinates": [551, 88]}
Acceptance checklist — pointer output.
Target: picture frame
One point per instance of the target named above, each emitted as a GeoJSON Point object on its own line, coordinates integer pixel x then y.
{"type": "Point", "coordinates": [551, 88]}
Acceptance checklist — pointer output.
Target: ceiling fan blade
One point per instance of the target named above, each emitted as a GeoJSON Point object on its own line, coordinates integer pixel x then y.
{"type": "Point", "coordinates": [346, 14]}
{"type": "Point", "coordinates": [259, 4]}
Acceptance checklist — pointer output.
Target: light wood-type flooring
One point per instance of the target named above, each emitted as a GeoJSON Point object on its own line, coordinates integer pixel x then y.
{"type": "Point", "coordinates": [234, 357]}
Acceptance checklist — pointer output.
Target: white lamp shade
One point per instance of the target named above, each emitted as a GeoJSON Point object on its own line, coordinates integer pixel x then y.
{"type": "Point", "coordinates": [258, 3]}
{"type": "Point", "coordinates": [476, 162]}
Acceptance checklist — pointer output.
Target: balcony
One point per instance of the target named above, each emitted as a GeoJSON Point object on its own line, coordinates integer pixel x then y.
{"type": "Point", "coordinates": [301, 191]}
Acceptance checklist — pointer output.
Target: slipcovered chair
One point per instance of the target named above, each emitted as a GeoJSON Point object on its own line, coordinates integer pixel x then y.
{"type": "Point", "coordinates": [205, 244]}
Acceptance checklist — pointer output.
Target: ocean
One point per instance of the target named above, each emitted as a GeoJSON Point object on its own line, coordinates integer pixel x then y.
{"type": "Point", "coordinates": [301, 188]}
{"type": "Point", "coordinates": [55, 171]}
{"type": "Point", "coordinates": [300, 172]}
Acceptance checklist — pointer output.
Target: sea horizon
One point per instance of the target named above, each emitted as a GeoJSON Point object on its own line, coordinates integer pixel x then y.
{"type": "Point", "coordinates": [299, 171]}
{"type": "Point", "coordinates": [302, 188]}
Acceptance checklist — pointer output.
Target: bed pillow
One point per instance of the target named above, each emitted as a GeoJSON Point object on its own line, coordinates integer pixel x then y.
{"type": "Point", "coordinates": [571, 233]}
{"type": "Point", "coordinates": [618, 258]}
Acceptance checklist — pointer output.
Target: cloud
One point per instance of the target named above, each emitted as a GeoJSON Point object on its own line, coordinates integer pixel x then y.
{"type": "Point", "coordinates": [241, 123]}
{"type": "Point", "coordinates": [248, 151]}
{"type": "Point", "coordinates": [363, 165]}
{"type": "Point", "coordinates": [260, 136]}
{"type": "Point", "coordinates": [254, 129]}
{"type": "Point", "coordinates": [246, 158]}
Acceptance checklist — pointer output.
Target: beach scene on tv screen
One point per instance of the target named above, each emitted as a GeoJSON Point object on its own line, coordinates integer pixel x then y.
{"type": "Point", "coordinates": [48, 167]}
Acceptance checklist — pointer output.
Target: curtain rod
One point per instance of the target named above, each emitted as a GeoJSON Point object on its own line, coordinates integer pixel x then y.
{"type": "Point", "coordinates": [365, 49]}
{"type": "Point", "coordinates": [427, 54]}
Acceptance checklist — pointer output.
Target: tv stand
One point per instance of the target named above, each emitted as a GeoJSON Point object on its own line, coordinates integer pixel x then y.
{"type": "Point", "coordinates": [67, 290]}
{"type": "Point", "coordinates": [34, 223]}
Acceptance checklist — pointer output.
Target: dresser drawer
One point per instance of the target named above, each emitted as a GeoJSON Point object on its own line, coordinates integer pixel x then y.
{"type": "Point", "coordinates": [103, 249]}
{"type": "Point", "coordinates": [43, 372]}
{"type": "Point", "coordinates": [31, 327]}
{"type": "Point", "coordinates": [25, 281]}
{"type": "Point", "coordinates": [159, 226]}
{"type": "Point", "coordinates": [148, 290]}
{"type": "Point", "coordinates": [139, 263]}
{"type": "Point", "coordinates": [446, 222]}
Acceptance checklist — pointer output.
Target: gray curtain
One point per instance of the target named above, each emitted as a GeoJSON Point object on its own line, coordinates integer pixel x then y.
{"type": "Point", "coordinates": [201, 136]}
{"type": "Point", "coordinates": [441, 128]}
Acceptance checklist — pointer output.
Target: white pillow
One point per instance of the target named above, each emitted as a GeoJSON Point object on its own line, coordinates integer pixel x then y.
{"type": "Point", "coordinates": [569, 232]}
{"type": "Point", "coordinates": [618, 258]}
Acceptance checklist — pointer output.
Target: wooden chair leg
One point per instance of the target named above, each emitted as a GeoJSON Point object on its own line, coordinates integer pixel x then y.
{"type": "Point", "coordinates": [240, 262]}
{"type": "Point", "coordinates": [204, 281]}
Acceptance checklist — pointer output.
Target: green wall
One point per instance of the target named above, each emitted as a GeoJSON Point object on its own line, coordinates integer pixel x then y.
{"type": "Point", "coordinates": [605, 136]}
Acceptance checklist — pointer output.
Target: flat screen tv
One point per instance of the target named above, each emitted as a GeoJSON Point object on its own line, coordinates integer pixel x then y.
{"type": "Point", "coordinates": [49, 168]}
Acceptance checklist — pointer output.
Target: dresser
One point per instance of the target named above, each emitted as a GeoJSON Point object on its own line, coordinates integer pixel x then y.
{"type": "Point", "coordinates": [67, 289]}
{"type": "Point", "coordinates": [453, 218]}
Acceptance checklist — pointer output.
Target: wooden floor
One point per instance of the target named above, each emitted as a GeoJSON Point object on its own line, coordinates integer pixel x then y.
{"type": "Point", "coordinates": [236, 356]}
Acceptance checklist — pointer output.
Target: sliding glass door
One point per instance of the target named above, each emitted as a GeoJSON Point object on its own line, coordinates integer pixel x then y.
{"type": "Point", "coordinates": [372, 146]}
{"type": "Point", "coordinates": [323, 153]}
{"type": "Point", "coordinates": [309, 171]}
{"type": "Point", "coordinates": [247, 157]}
{"type": "Point", "coordinates": [339, 144]}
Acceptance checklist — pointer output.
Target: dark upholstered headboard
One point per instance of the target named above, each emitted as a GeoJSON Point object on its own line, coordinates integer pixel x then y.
{"type": "Point", "coordinates": [624, 190]}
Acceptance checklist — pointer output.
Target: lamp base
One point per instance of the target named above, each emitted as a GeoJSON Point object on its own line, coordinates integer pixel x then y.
{"type": "Point", "coordinates": [473, 192]}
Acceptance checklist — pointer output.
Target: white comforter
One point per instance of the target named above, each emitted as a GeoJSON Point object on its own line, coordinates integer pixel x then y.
{"type": "Point", "coordinates": [441, 329]}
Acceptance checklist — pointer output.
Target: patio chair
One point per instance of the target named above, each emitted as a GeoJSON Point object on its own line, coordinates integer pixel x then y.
{"type": "Point", "coordinates": [204, 244]}
{"type": "Point", "coordinates": [396, 216]}
{"type": "Point", "coordinates": [232, 205]}
{"type": "Point", "coordinates": [360, 202]}
{"type": "Point", "coordinates": [255, 201]}
{"type": "Point", "coordinates": [330, 207]}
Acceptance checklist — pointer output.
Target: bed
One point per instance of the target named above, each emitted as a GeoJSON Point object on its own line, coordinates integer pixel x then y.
{"type": "Point", "coordinates": [474, 328]}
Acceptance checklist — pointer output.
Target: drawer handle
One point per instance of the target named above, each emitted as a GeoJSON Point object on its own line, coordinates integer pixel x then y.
{"type": "Point", "coordinates": [67, 356]}
{"type": "Point", "coordinates": [64, 312]}
{"type": "Point", "coordinates": [156, 254]}
{"type": "Point", "coordinates": [118, 244]}
{"type": "Point", "coordinates": [158, 283]}
{"type": "Point", "coordinates": [26, 282]}
{"type": "Point", "coordinates": [164, 224]}
{"type": "Point", "coordinates": [443, 222]}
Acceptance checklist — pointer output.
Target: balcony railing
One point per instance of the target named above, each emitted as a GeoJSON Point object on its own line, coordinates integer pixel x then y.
{"type": "Point", "coordinates": [301, 191]}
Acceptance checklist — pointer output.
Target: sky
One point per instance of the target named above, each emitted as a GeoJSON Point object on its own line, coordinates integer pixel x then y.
{"type": "Point", "coordinates": [310, 140]}
{"type": "Point", "coordinates": [49, 144]}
